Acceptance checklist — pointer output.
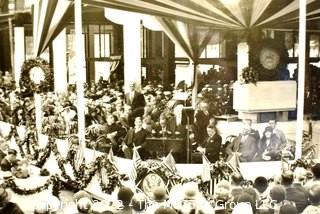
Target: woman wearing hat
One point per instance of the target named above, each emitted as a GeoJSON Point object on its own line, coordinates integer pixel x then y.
{"type": "Point", "coordinates": [7, 207]}
{"type": "Point", "coordinates": [269, 147]}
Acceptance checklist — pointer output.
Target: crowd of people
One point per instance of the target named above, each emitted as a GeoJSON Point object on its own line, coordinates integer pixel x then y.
{"type": "Point", "coordinates": [292, 192]}
{"type": "Point", "coordinates": [121, 121]}
{"type": "Point", "coordinates": [124, 121]}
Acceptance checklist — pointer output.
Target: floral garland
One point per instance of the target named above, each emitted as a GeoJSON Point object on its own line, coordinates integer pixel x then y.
{"type": "Point", "coordinates": [45, 153]}
{"type": "Point", "coordinates": [22, 191]}
{"type": "Point", "coordinates": [85, 173]}
{"type": "Point", "coordinates": [27, 85]}
{"type": "Point", "coordinates": [30, 142]}
{"type": "Point", "coordinates": [249, 75]}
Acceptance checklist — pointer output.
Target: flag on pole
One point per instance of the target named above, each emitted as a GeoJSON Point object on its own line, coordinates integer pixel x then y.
{"type": "Point", "coordinates": [234, 163]}
{"type": "Point", "coordinates": [206, 171]}
{"type": "Point", "coordinates": [111, 156]}
{"type": "Point", "coordinates": [169, 162]}
{"type": "Point", "coordinates": [135, 164]}
{"type": "Point", "coordinates": [79, 157]}
{"type": "Point", "coordinates": [285, 165]}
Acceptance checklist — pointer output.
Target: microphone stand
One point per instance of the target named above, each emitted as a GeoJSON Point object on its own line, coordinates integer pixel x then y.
{"type": "Point", "coordinates": [188, 140]}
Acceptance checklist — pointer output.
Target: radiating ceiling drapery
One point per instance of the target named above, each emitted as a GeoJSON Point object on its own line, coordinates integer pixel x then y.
{"type": "Point", "coordinates": [216, 14]}
{"type": "Point", "coordinates": [191, 38]}
{"type": "Point", "coordinates": [48, 20]}
{"type": "Point", "coordinates": [226, 14]}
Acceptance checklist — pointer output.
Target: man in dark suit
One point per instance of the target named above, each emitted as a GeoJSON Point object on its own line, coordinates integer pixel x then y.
{"type": "Point", "coordinates": [162, 128]}
{"type": "Point", "coordinates": [246, 143]}
{"type": "Point", "coordinates": [135, 100]}
{"type": "Point", "coordinates": [202, 118]}
{"type": "Point", "coordinates": [136, 138]}
{"type": "Point", "coordinates": [211, 146]}
{"type": "Point", "coordinates": [114, 132]}
{"type": "Point", "coordinates": [3, 148]}
{"type": "Point", "coordinates": [295, 191]}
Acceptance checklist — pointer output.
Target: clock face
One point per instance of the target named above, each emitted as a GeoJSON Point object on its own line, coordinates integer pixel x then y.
{"type": "Point", "coordinates": [37, 75]}
{"type": "Point", "coordinates": [269, 58]}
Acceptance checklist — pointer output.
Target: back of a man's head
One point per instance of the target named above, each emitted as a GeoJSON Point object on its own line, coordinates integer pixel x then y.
{"type": "Point", "coordinates": [125, 195]}
{"type": "Point", "coordinates": [288, 209]}
{"type": "Point", "coordinates": [314, 194]}
{"type": "Point", "coordinates": [165, 210]}
{"type": "Point", "coordinates": [277, 193]}
{"type": "Point", "coordinates": [261, 184]}
{"type": "Point", "coordinates": [236, 179]}
{"type": "Point", "coordinates": [248, 199]}
{"type": "Point", "coordinates": [316, 170]}
{"type": "Point", "coordinates": [287, 178]}
{"type": "Point", "coordinates": [300, 174]}
{"type": "Point", "coordinates": [139, 202]}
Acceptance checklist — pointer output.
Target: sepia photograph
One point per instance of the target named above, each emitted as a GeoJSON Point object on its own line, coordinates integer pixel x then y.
{"type": "Point", "coordinates": [159, 106]}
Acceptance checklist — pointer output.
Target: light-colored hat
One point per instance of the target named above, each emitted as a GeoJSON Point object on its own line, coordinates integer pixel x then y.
{"type": "Point", "coordinates": [159, 194]}
{"type": "Point", "coordinates": [191, 190]}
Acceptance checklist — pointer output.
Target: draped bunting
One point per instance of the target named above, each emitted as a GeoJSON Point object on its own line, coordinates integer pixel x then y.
{"type": "Point", "coordinates": [215, 14]}
{"type": "Point", "coordinates": [192, 39]}
{"type": "Point", "coordinates": [48, 20]}
{"type": "Point", "coordinates": [226, 14]}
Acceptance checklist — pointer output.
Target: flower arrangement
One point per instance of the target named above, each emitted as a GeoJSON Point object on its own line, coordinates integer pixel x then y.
{"type": "Point", "coordinates": [249, 75]}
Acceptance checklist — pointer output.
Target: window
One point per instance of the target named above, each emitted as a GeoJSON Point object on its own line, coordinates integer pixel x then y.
{"type": "Point", "coordinates": [314, 45]}
{"type": "Point", "coordinates": [101, 45]}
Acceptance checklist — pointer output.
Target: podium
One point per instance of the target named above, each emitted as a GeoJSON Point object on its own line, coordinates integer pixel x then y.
{"type": "Point", "coordinates": [266, 96]}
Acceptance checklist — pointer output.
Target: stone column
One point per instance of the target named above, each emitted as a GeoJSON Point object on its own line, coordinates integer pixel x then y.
{"type": "Point", "coordinates": [60, 62]}
{"type": "Point", "coordinates": [19, 52]}
{"type": "Point", "coordinates": [132, 53]}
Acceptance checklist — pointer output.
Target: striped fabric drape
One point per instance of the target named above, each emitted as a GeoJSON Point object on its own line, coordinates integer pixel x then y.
{"type": "Point", "coordinates": [48, 20]}
{"type": "Point", "coordinates": [173, 14]}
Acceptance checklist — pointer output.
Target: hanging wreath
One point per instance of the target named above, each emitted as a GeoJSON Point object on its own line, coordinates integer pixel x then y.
{"type": "Point", "coordinates": [36, 76]}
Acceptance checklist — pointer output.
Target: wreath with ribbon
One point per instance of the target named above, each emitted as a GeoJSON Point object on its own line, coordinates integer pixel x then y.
{"type": "Point", "coordinates": [27, 84]}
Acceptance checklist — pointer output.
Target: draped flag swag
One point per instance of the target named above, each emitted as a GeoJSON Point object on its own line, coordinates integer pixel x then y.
{"type": "Point", "coordinates": [210, 14]}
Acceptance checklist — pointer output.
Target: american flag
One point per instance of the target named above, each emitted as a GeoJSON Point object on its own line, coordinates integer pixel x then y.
{"type": "Point", "coordinates": [234, 163]}
{"type": "Point", "coordinates": [135, 165]}
{"type": "Point", "coordinates": [170, 163]}
{"type": "Point", "coordinates": [111, 156]}
{"type": "Point", "coordinates": [206, 170]}
{"type": "Point", "coordinates": [79, 157]}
